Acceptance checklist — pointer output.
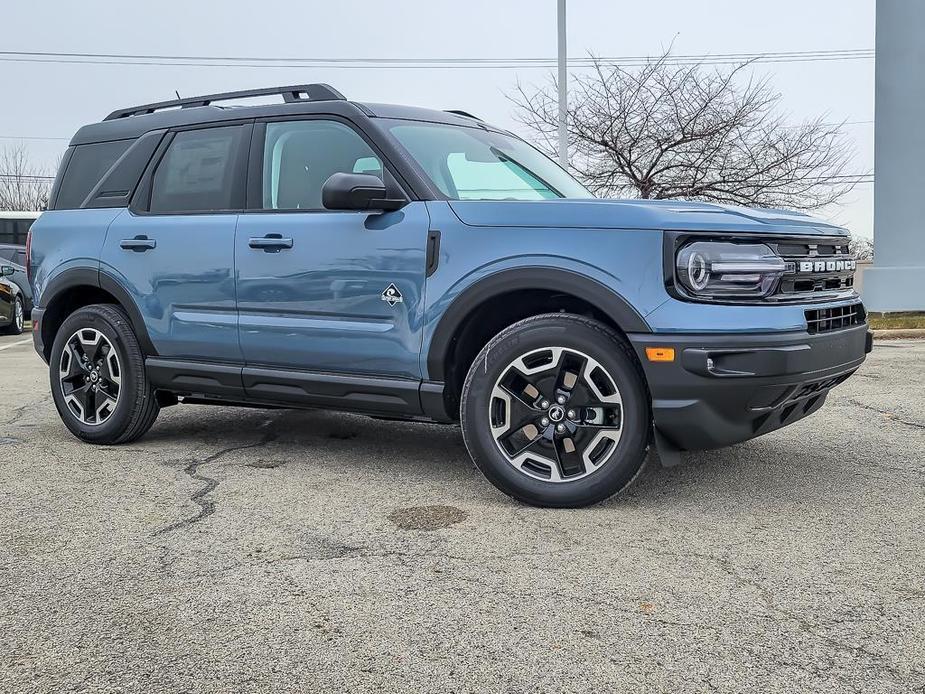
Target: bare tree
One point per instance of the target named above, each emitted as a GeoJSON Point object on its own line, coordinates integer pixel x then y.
{"type": "Point", "coordinates": [861, 247]}
{"type": "Point", "coordinates": [22, 186]}
{"type": "Point", "coordinates": [666, 130]}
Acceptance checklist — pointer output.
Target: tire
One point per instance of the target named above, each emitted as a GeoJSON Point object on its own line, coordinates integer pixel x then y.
{"type": "Point", "coordinates": [123, 405]}
{"type": "Point", "coordinates": [605, 414]}
{"type": "Point", "coordinates": [16, 325]}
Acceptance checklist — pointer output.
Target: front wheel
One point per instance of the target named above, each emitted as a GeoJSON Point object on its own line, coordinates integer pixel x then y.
{"type": "Point", "coordinates": [98, 378]}
{"type": "Point", "coordinates": [555, 411]}
{"type": "Point", "coordinates": [17, 320]}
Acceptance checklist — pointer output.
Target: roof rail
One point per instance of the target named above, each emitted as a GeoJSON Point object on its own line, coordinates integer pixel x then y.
{"type": "Point", "coordinates": [300, 92]}
{"type": "Point", "coordinates": [464, 114]}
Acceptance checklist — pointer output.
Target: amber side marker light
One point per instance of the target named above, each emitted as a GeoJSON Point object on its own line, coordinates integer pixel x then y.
{"type": "Point", "coordinates": [660, 353]}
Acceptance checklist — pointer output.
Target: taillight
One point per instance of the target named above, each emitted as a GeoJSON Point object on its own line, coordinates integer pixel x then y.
{"type": "Point", "coordinates": [29, 255]}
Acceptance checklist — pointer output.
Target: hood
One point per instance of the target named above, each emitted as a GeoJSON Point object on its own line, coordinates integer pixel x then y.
{"type": "Point", "coordinates": [675, 215]}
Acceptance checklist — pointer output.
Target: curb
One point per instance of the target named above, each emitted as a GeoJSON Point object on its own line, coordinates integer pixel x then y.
{"type": "Point", "coordinates": [900, 334]}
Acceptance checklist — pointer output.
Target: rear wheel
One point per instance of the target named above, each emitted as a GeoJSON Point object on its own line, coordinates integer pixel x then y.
{"type": "Point", "coordinates": [98, 378]}
{"type": "Point", "coordinates": [555, 411]}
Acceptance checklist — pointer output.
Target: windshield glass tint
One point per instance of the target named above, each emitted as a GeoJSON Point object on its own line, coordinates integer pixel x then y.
{"type": "Point", "coordinates": [475, 164]}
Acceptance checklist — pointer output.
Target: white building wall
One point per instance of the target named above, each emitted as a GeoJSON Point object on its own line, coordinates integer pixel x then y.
{"type": "Point", "coordinates": [896, 282]}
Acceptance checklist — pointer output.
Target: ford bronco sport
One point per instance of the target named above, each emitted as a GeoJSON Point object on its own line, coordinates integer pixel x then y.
{"type": "Point", "coordinates": [423, 265]}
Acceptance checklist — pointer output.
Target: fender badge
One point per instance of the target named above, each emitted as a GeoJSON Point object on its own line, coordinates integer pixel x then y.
{"type": "Point", "coordinates": [392, 296]}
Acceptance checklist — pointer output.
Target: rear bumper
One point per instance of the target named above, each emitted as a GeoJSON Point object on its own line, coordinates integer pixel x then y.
{"type": "Point", "coordinates": [37, 314]}
{"type": "Point", "coordinates": [721, 389]}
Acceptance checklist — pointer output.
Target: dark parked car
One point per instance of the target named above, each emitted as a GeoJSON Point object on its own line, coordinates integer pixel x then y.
{"type": "Point", "coordinates": [12, 308]}
{"type": "Point", "coordinates": [16, 255]}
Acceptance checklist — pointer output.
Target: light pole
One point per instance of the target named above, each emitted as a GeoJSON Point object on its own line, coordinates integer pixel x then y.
{"type": "Point", "coordinates": [563, 89]}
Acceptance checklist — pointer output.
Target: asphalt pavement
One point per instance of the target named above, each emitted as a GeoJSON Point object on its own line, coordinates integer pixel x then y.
{"type": "Point", "coordinates": [307, 551]}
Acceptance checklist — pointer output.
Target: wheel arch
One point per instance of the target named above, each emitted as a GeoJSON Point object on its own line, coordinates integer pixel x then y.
{"type": "Point", "coordinates": [474, 317]}
{"type": "Point", "coordinates": [79, 287]}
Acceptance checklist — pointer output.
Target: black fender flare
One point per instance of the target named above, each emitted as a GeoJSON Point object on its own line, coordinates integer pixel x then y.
{"type": "Point", "coordinates": [604, 299]}
{"type": "Point", "coordinates": [82, 277]}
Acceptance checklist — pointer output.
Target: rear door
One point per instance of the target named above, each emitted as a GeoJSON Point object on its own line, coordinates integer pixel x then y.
{"type": "Point", "coordinates": [173, 249]}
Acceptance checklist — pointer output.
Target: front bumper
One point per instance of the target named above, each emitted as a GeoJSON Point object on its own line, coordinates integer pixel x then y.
{"type": "Point", "coordinates": [721, 389]}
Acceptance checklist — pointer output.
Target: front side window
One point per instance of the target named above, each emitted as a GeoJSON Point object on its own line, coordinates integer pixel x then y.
{"type": "Point", "coordinates": [477, 164]}
{"type": "Point", "coordinates": [198, 173]}
{"type": "Point", "coordinates": [299, 156]}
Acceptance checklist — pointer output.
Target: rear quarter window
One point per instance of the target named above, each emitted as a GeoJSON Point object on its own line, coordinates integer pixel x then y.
{"type": "Point", "coordinates": [84, 170]}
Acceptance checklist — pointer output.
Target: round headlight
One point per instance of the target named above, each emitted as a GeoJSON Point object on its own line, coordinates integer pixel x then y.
{"type": "Point", "coordinates": [698, 271]}
{"type": "Point", "coordinates": [716, 270]}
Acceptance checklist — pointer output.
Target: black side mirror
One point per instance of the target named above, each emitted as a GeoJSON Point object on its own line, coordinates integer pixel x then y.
{"type": "Point", "coordinates": [7, 270]}
{"type": "Point", "coordinates": [350, 191]}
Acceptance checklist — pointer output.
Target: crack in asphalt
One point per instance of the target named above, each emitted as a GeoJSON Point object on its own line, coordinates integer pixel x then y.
{"type": "Point", "coordinates": [804, 624]}
{"type": "Point", "coordinates": [207, 506]}
{"type": "Point", "coordinates": [886, 413]}
{"type": "Point", "coordinates": [19, 412]}
{"type": "Point", "coordinates": [334, 551]}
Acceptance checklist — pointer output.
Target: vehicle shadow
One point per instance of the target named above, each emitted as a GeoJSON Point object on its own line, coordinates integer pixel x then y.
{"type": "Point", "coordinates": [437, 454]}
{"type": "Point", "coordinates": [293, 435]}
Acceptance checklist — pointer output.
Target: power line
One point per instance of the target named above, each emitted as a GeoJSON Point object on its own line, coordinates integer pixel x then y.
{"type": "Point", "coordinates": [859, 178]}
{"type": "Point", "coordinates": [32, 137]}
{"type": "Point", "coordinates": [28, 177]}
{"type": "Point", "coordinates": [67, 139]}
{"type": "Point", "coordinates": [830, 124]}
{"type": "Point", "coordinates": [864, 51]}
{"type": "Point", "coordinates": [421, 63]}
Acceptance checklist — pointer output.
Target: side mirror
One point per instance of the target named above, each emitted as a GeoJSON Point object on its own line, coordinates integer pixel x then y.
{"type": "Point", "coordinates": [350, 191]}
{"type": "Point", "coordinates": [7, 270]}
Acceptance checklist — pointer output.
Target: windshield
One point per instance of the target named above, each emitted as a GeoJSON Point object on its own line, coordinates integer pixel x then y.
{"type": "Point", "coordinates": [476, 164]}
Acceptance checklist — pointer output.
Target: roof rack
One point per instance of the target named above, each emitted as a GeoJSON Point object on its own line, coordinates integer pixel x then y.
{"type": "Point", "coordinates": [300, 92]}
{"type": "Point", "coordinates": [464, 114]}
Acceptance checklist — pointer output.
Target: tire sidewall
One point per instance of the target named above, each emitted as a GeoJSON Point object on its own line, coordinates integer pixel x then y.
{"type": "Point", "coordinates": [596, 341]}
{"type": "Point", "coordinates": [19, 309]}
{"type": "Point", "coordinates": [130, 386]}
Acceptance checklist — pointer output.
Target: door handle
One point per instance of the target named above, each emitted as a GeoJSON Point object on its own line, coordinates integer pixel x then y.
{"type": "Point", "coordinates": [139, 244]}
{"type": "Point", "coordinates": [271, 243]}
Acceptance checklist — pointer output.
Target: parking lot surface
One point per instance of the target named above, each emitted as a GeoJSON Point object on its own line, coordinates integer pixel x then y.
{"type": "Point", "coordinates": [251, 550]}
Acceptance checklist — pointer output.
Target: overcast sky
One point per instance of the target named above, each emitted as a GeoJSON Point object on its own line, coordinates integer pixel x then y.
{"type": "Point", "coordinates": [51, 100]}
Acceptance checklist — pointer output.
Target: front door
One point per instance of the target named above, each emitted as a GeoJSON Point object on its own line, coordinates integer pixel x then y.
{"type": "Point", "coordinates": [6, 302]}
{"type": "Point", "coordinates": [322, 291]}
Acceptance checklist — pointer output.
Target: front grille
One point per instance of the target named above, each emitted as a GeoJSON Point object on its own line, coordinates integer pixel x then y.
{"type": "Point", "coordinates": [824, 320]}
{"type": "Point", "coordinates": [815, 270]}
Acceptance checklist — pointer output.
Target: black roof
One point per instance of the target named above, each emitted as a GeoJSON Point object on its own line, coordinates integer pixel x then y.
{"type": "Point", "coordinates": [131, 123]}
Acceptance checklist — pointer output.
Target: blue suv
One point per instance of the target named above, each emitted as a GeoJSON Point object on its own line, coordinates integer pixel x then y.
{"type": "Point", "coordinates": [423, 265]}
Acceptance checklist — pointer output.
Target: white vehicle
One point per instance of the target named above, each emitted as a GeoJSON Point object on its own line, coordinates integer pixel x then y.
{"type": "Point", "coordinates": [14, 226]}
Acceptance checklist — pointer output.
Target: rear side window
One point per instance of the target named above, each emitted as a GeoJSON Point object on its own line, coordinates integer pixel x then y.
{"type": "Point", "coordinates": [86, 167]}
{"type": "Point", "coordinates": [200, 172]}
